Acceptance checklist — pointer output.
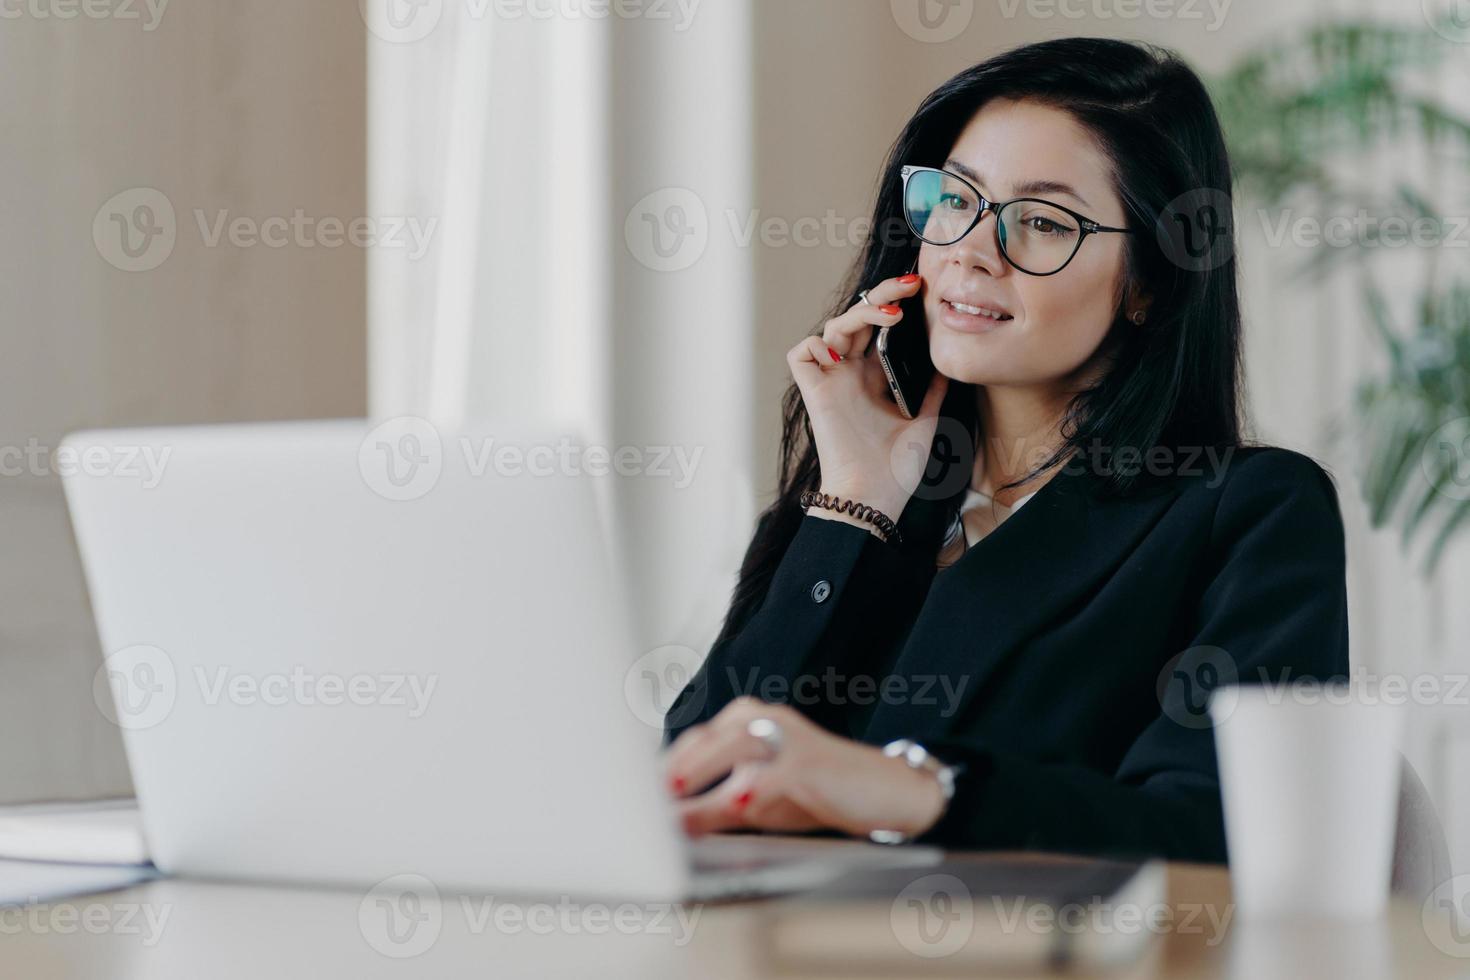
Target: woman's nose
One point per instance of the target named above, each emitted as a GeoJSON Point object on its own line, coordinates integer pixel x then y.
{"type": "Point", "coordinates": [980, 248]}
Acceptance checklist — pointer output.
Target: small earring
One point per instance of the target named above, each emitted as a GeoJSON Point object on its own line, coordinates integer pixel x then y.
{"type": "Point", "coordinates": [1138, 317]}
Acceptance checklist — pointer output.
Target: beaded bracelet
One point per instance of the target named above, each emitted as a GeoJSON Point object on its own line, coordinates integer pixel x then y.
{"type": "Point", "coordinates": [885, 524]}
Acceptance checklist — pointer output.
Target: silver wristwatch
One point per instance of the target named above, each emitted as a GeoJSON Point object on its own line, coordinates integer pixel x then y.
{"type": "Point", "coordinates": [916, 757]}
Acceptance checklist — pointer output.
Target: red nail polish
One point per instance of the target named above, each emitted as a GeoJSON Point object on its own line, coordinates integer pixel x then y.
{"type": "Point", "coordinates": [909, 279]}
{"type": "Point", "coordinates": [836, 357]}
{"type": "Point", "coordinates": [891, 310]}
{"type": "Point", "coordinates": [743, 800]}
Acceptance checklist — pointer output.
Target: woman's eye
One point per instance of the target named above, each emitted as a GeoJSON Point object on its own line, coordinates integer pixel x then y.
{"type": "Point", "coordinates": [954, 202]}
{"type": "Point", "coordinates": [1046, 226]}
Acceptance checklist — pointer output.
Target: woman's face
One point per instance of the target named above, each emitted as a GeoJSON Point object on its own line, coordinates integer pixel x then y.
{"type": "Point", "coordinates": [1051, 325]}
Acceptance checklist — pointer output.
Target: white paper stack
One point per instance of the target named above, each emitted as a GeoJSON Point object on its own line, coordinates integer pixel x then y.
{"type": "Point", "coordinates": [52, 850]}
{"type": "Point", "coordinates": [98, 832]}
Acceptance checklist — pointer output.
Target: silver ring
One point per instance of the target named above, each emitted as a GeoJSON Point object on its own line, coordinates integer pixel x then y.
{"type": "Point", "coordinates": [864, 297]}
{"type": "Point", "coordinates": [768, 732]}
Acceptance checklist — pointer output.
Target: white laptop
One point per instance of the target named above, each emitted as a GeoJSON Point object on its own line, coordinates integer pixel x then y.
{"type": "Point", "coordinates": [341, 652]}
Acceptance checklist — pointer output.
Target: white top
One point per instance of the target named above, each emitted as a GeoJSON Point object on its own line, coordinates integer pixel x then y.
{"type": "Point", "coordinates": [980, 514]}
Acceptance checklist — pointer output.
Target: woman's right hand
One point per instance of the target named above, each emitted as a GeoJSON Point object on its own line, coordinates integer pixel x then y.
{"type": "Point", "coordinates": [867, 450]}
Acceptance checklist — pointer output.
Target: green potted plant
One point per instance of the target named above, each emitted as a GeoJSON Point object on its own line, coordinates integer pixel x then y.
{"type": "Point", "coordinates": [1298, 112]}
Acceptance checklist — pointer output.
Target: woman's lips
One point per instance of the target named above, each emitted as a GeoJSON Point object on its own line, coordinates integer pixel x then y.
{"type": "Point", "coordinates": [957, 319]}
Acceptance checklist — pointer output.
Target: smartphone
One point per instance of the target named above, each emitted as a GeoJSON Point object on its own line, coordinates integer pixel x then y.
{"type": "Point", "coordinates": [903, 350]}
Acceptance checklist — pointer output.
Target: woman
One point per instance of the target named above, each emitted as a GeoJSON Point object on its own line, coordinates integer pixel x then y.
{"type": "Point", "coordinates": [1018, 658]}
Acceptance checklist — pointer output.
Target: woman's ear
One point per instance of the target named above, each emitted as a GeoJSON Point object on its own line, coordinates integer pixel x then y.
{"type": "Point", "coordinates": [1136, 306]}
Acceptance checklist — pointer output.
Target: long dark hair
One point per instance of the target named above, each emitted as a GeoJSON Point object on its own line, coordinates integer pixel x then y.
{"type": "Point", "coordinates": [1172, 383]}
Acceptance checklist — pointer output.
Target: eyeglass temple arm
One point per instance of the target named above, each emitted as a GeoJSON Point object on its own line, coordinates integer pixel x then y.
{"type": "Point", "coordinates": [1092, 228]}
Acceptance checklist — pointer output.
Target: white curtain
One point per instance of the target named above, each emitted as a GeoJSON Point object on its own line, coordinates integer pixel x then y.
{"type": "Point", "coordinates": [545, 147]}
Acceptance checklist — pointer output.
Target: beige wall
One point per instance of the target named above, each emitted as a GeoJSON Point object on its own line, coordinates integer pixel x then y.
{"type": "Point", "coordinates": [252, 107]}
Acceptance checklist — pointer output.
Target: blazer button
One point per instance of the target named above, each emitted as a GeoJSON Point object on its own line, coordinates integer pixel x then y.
{"type": "Point", "coordinates": [821, 591]}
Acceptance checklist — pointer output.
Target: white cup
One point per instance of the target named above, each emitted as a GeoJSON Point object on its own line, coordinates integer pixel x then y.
{"type": "Point", "coordinates": [1310, 776]}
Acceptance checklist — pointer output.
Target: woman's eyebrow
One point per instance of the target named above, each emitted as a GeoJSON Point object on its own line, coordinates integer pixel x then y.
{"type": "Point", "coordinates": [1025, 188]}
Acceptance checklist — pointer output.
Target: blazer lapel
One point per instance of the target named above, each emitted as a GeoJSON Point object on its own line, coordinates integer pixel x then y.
{"type": "Point", "coordinates": [1037, 564]}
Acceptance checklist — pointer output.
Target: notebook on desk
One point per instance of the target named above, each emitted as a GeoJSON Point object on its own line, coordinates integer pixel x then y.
{"type": "Point", "coordinates": [50, 851]}
{"type": "Point", "coordinates": [92, 832]}
{"type": "Point", "coordinates": [970, 915]}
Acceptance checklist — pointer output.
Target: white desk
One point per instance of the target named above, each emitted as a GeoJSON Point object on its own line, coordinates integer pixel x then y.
{"type": "Point", "coordinates": [223, 931]}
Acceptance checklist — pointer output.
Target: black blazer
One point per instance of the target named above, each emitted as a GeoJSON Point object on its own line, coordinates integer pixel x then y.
{"type": "Point", "coordinates": [1061, 661]}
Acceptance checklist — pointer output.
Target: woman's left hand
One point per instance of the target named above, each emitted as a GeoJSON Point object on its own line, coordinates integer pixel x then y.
{"type": "Point", "coordinates": [815, 780]}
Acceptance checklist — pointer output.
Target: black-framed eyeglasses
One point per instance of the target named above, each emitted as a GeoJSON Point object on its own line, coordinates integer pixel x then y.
{"type": "Point", "coordinates": [1036, 236]}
